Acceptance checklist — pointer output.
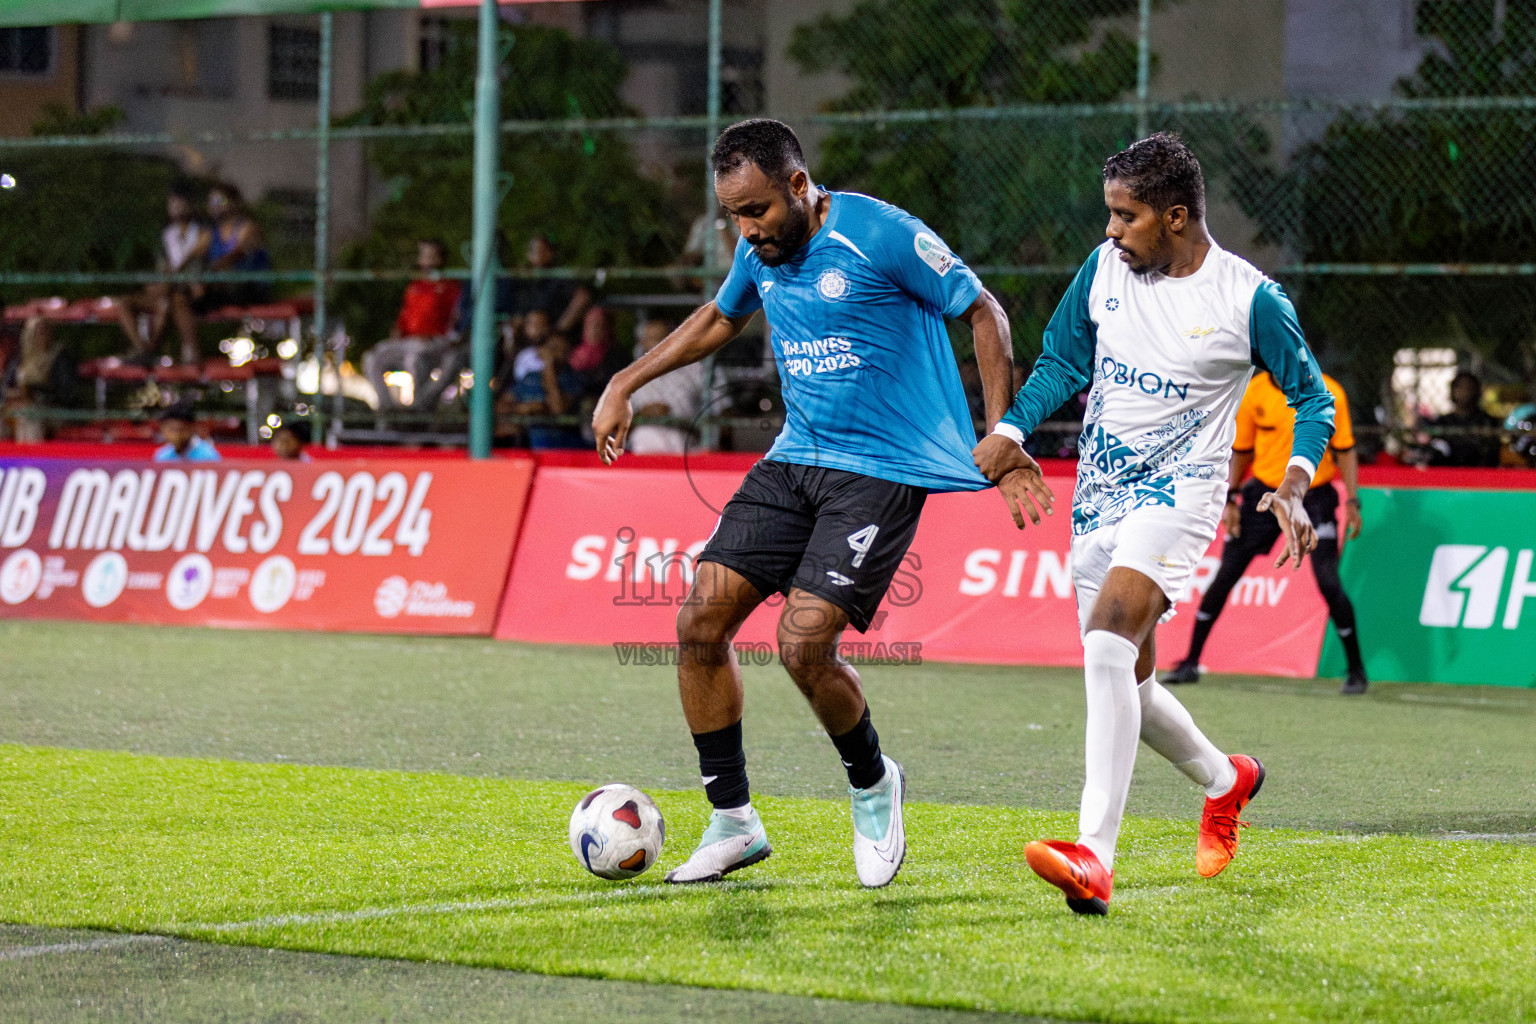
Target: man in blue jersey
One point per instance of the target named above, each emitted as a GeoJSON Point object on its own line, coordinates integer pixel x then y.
{"type": "Point", "coordinates": [856, 293]}
{"type": "Point", "coordinates": [1166, 327]}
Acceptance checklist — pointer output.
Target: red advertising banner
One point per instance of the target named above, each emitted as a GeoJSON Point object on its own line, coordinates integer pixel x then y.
{"type": "Point", "coordinates": [396, 546]}
{"type": "Point", "coordinates": [607, 554]}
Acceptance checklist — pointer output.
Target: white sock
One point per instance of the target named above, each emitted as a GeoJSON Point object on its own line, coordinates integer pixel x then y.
{"type": "Point", "coordinates": [1114, 721]}
{"type": "Point", "coordinates": [742, 814]}
{"type": "Point", "coordinates": [1167, 728]}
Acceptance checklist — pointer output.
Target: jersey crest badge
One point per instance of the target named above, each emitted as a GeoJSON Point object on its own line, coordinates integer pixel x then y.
{"type": "Point", "coordinates": [933, 253]}
{"type": "Point", "coordinates": [832, 284]}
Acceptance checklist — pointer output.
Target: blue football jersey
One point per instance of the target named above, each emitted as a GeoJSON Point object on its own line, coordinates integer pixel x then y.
{"type": "Point", "coordinates": [856, 318]}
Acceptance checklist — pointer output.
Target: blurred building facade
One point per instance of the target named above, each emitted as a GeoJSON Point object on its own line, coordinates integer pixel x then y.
{"type": "Point", "coordinates": [261, 73]}
{"type": "Point", "coordinates": [39, 68]}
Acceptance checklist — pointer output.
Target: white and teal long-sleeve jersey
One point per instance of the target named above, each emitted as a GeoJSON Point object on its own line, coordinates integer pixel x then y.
{"type": "Point", "coordinates": [1169, 359]}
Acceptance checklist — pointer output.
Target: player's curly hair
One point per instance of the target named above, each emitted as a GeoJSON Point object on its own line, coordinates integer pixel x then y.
{"type": "Point", "coordinates": [771, 145]}
{"type": "Point", "coordinates": [1162, 172]}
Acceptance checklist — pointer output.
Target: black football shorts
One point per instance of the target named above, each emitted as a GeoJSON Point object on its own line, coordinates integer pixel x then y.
{"type": "Point", "coordinates": [838, 535]}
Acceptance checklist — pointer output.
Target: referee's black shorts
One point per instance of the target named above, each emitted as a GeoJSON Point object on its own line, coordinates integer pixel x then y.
{"type": "Point", "coordinates": [838, 535]}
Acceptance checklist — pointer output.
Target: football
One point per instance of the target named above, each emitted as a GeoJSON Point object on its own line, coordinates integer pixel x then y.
{"type": "Point", "coordinates": [616, 831]}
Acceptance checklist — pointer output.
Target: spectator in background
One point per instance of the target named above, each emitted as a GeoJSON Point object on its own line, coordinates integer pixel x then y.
{"type": "Point", "coordinates": [1472, 438]}
{"type": "Point", "coordinates": [505, 295]}
{"type": "Point", "coordinates": [9, 346]}
{"type": "Point", "coordinates": [421, 336]}
{"type": "Point", "coordinates": [288, 442]}
{"type": "Point", "coordinates": [42, 374]}
{"type": "Point", "coordinates": [678, 395]}
{"type": "Point", "coordinates": [710, 229]}
{"type": "Point", "coordinates": [566, 302]}
{"type": "Point", "coordinates": [183, 244]}
{"type": "Point", "coordinates": [235, 244]}
{"type": "Point", "coordinates": [182, 443]}
{"type": "Point", "coordinates": [520, 350]}
{"type": "Point", "coordinates": [546, 385]}
{"type": "Point", "coordinates": [588, 357]}
{"type": "Point", "coordinates": [1521, 424]}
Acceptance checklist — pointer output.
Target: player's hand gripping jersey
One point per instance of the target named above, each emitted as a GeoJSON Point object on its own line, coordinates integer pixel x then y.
{"type": "Point", "coordinates": [857, 317]}
{"type": "Point", "coordinates": [1169, 359]}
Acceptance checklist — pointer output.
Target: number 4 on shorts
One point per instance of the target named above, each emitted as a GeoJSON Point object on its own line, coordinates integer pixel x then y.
{"type": "Point", "coordinates": [861, 541]}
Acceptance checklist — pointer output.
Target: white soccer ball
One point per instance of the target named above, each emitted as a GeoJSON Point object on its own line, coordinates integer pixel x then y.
{"type": "Point", "coordinates": [617, 831]}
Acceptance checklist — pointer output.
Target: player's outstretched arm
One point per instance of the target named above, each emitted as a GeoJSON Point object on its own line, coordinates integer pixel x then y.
{"type": "Point", "coordinates": [1064, 368]}
{"type": "Point", "coordinates": [1018, 477]}
{"type": "Point", "coordinates": [1285, 502]}
{"type": "Point", "coordinates": [988, 322]}
{"type": "Point", "coordinates": [1280, 347]}
{"type": "Point", "coordinates": [704, 333]}
{"type": "Point", "coordinates": [1023, 490]}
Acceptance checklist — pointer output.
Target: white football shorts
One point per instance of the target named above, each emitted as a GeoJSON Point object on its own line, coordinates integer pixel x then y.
{"type": "Point", "coordinates": [1157, 541]}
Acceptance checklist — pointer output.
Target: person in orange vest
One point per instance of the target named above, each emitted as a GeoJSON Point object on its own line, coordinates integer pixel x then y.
{"type": "Point", "coordinates": [1263, 443]}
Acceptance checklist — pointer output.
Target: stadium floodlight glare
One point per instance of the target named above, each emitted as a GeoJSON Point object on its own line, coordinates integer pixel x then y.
{"type": "Point", "coordinates": [6, 181]}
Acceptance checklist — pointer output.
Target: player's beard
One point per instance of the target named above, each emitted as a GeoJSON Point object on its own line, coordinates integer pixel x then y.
{"type": "Point", "coordinates": [1155, 261]}
{"type": "Point", "coordinates": [791, 235]}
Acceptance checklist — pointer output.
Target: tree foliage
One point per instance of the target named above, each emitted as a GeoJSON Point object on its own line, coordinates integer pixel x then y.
{"type": "Point", "coordinates": [1000, 191]}
{"type": "Point", "coordinates": [1424, 185]}
{"type": "Point", "coordinates": [585, 191]}
{"type": "Point", "coordinates": [82, 209]}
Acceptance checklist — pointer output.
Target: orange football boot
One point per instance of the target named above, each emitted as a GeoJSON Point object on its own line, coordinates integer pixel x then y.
{"type": "Point", "coordinates": [1219, 823]}
{"type": "Point", "coordinates": [1075, 870]}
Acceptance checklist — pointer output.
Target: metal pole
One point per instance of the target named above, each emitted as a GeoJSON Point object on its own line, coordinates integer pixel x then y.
{"type": "Point", "coordinates": [322, 226]}
{"type": "Point", "coordinates": [483, 272]}
{"type": "Point", "coordinates": [710, 436]}
{"type": "Point", "coordinates": [712, 112]}
{"type": "Point", "coordinates": [1143, 68]}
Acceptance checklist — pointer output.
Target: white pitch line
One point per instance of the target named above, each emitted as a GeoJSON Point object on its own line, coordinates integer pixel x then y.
{"type": "Point", "coordinates": [1319, 840]}
{"type": "Point", "coordinates": [343, 917]}
{"type": "Point", "coordinates": [462, 907]}
{"type": "Point", "coordinates": [90, 946]}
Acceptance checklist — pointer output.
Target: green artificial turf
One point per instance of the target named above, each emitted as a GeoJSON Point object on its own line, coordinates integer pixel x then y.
{"type": "Point", "coordinates": [1303, 926]}
{"type": "Point", "coordinates": [1403, 758]}
{"type": "Point", "coordinates": [92, 976]}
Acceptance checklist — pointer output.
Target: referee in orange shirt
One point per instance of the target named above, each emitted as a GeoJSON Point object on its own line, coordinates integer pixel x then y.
{"type": "Point", "coordinates": [1263, 443]}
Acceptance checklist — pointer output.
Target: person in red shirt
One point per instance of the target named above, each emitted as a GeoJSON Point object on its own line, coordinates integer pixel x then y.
{"type": "Point", "coordinates": [423, 330]}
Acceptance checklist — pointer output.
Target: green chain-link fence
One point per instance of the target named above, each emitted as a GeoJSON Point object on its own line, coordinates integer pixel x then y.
{"type": "Point", "coordinates": [1399, 222]}
{"type": "Point", "coordinates": [1395, 206]}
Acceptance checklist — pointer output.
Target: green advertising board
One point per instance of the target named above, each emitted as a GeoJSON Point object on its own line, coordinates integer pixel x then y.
{"type": "Point", "coordinates": [1444, 587]}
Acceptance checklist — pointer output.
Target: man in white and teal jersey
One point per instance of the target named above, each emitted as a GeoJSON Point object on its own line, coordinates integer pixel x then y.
{"type": "Point", "coordinates": [1167, 328]}
{"type": "Point", "coordinates": [856, 293]}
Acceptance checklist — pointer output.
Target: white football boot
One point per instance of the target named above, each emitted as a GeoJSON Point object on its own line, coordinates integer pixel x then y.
{"type": "Point", "coordinates": [879, 835]}
{"type": "Point", "coordinates": [727, 845]}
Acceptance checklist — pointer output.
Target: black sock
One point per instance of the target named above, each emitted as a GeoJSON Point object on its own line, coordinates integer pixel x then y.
{"type": "Point", "coordinates": [859, 748]}
{"type": "Point", "coordinates": [723, 764]}
{"type": "Point", "coordinates": [1203, 624]}
{"type": "Point", "coordinates": [1351, 641]}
